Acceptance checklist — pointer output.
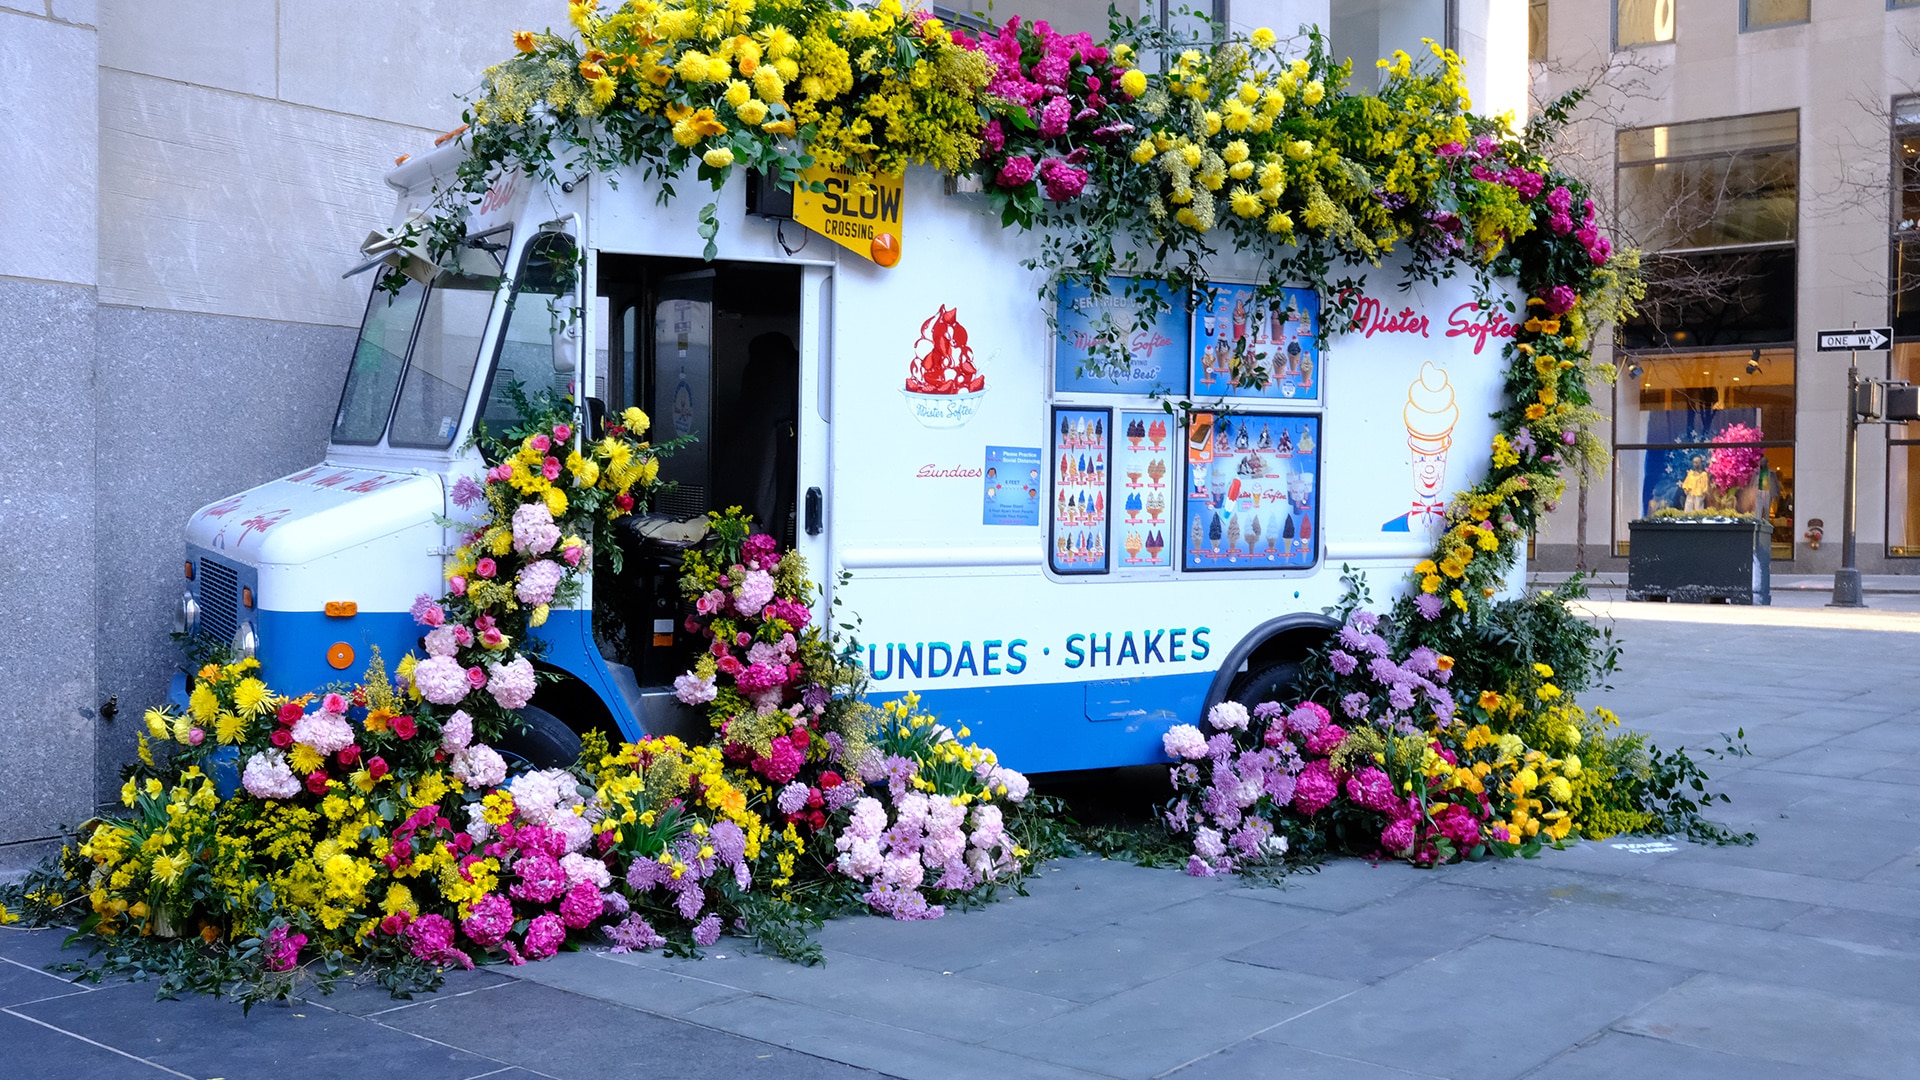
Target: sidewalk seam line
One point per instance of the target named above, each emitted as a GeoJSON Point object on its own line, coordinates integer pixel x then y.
{"type": "Point", "coordinates": [1256, 1034]}
{"type": "Point", "coordinates": [95, 1042]}
{"type": "Point", "coordinates": [37, 971]}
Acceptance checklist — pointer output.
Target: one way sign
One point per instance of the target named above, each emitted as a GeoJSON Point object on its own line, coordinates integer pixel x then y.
{"type": "Point", "coordinates": [1864, 338]}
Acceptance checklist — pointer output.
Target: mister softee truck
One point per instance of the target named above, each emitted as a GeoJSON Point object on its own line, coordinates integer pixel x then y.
{"type": "Point", "coordinates": [1030, 538]}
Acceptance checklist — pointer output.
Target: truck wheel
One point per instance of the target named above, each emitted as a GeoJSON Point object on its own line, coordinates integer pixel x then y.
{"type": "Point", "coordinates": [1269, 682]}
{"type": "Point", "coordinates": [542, 741]}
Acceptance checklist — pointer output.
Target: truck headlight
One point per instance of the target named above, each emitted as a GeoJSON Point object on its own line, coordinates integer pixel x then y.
{"type": "Point", "coordinates": [245, 641]}
{"type": "Point", "coordinates": [186, 618]}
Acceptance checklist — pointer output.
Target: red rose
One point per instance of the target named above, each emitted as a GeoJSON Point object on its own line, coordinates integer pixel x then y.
{"type": "Point", "coordinates": [289, 712]}
{"type": "Point", "coordinates": [376, 767]}
{"type": "Point", "coordinates": [798, 737]}
{"type": "Point", "coordinates": [282, 738]}
{"type": "Point", "coordinates": [623, 500]}
{"type": "Point", "coordinates": [818, 820]}
{"type": "Point", "coordinates": [317, 781]}
{"type": "Point", "coordinates": [395, 923]}
{"type": "Point", "coordinates": [830, 780]}
{"type": "Point", "coordinates": [350, 755]}
{"type": "Point", "coordinates": [814, 800]}
{"type": "Point", "coordinates": [402, 726]}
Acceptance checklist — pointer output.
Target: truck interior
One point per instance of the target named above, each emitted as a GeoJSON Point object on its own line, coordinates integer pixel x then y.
{"type": "Point", "coordinates": [709, 351]}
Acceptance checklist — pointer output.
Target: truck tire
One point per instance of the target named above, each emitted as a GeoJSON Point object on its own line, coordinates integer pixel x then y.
{"type": "Point", "coordinates": [542, 741]}
{"type": "Point", "coordinates": [1269, 682]}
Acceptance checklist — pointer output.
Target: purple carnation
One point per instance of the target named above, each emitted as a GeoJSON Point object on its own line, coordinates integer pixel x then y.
{"type": "Point", "coordinates": [1429, 605]}
{"type": "Point", "coordinates": [1354, 704]}
{"type": "Point", "coordinates": [707, 931]}
{"type": "Point", "coordinates": [1342, 661]}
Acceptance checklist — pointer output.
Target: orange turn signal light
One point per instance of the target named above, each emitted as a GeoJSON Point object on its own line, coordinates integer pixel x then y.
{"type": "Point", "coordinates": [340, 655]}
{"type": "Point", "coordinates": [189, 569]}
{"type": "Point", "coordinates": [246, 596]}
{"type": "Point", "coordinates": [341, 609]}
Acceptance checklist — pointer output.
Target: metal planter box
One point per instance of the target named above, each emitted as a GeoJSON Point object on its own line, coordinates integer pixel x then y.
{"type": "Point", "coordinates": [1699, 561]}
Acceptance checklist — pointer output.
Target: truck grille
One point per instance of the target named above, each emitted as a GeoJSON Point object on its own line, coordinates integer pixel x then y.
{"type": "Point", "coordinates": [219, 599]}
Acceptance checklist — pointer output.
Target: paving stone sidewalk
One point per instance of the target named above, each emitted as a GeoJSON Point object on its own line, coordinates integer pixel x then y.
{"type": "Point", "coordinates": [1796, 957]}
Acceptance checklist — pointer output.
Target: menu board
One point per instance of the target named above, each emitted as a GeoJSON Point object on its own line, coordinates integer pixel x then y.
{"type": "Point", "coordinates": [1091, 327]}
{"type": "Point", "coordinates": [1252, 491]}
{"type": "Point", "coordinates": [1146, 489]}
{"type": "Point", "coordinates": [1249, 346]}
{"type": "Point", "coordinates": [1082, 448]}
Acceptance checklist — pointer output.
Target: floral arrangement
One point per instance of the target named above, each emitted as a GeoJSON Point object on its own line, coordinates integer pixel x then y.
{"type": "Point", "coordinates": [1731, 467]}
{"type": "Point", "coordinates": [1048, 103]}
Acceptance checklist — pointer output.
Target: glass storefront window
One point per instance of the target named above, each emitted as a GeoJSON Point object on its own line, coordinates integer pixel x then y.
{"type": "Point", "coordinates": [1369, 30]}
{"type": "Point", "coordinates": [1642, 22]}
{"type": "Point", "coordinates": [1760, 14]}
{"type": "Point", "coordinates": [1903, 464]}
{"type": "Point", "coordinates": [1685, 422]}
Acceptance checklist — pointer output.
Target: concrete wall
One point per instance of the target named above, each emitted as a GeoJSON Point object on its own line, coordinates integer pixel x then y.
{"type": "Point", "coordinates": [185, 183]}
{"type": "Point", "coordinates": [1840, 71]}
{"type": "Point", "coordinates": [48, 478]}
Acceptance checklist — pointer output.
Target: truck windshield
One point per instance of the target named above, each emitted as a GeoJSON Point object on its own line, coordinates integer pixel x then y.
{"type": "Point", "coordinates": [540, 306]}
{"type": "Point", "coordinates": [447, 346]}
{"type": "Point", "coordinates": [378, 359]}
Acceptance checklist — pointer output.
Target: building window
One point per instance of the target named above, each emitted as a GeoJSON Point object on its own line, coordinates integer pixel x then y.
{"type": "Point", "coordinates": [1903, 440]}
{"type": "Point", "coordinates": [1368, 30]}
{"type": "Point", "coordinates": [1642, 22]}
{"type": "Point", "coordinates": [1761, 14]}
{"type": "Point", "coordinates": [1537, 30]}
{"type": "Point", "coordinates": [1708, 361]}
{"type": "Point", "coordinates": [1892, 4]}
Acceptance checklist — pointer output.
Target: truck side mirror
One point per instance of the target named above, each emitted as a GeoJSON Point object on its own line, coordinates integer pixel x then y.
{"type": "Point", "coordinates": [566, 342]}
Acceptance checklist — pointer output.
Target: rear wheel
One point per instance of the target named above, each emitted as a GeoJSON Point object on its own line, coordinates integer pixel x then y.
{"type": "Point", "coordinates": [542, 740]}
{"type": "Point", "coordinates": [1274, 681]}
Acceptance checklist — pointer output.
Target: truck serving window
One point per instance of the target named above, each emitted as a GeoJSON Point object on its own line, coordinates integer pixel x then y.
{"type": "Point", "coordinates": [448, 345]}
{"type": "Point", "coordinates": [378, 359]}
{"type": "Point", "coordinates": [537, 310]}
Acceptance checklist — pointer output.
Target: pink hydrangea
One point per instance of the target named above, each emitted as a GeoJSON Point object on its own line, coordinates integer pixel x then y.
{"type": "Point", "coordinates": [534, 532]}
{"type": "Point", "coordinates": [1062, 181]}
{"type": "Point", "coordinates": [537, 581]}
{"type": "Point", "coordinates": [1373, 789]}
{"type": "Point", "coordinates": [511, 683]}
{"type": "Point", "coordinates": [457, 732]}
{"type": "Point", "coordinates": [490, 920]}
{"type": "Point", "coordinates": [1016, 172]}
{"type": "Point", "coordinates": [1397, 838]}
{"type": "Point", "coordinates": [441, 680]}
{"type": "Point", "coordinates": [755, 589]}
{"type": "Point", "coordinates": [541, 878]}
{"type": "Point", "coordinates": [267, 776]}
{"type": "Point", "coordinates": [441, 641]}
{"type": "Point", "coordinates": [691, 689]}
{"type": "Point", "coordinates": [1314, 789]}
{"type": "Point", "coordinates": [1184, 741]}
{"type": "Point", "coordinates": [479, 766]}
{"type": "Point", "coordinates": [544, 936]}
{"type": "Point", "coordinates": [426, 612]}
{"type": "Point", "coordinates": [325, 732]}
{"type": "Point", "coordinates": [581, 906]}
{"type": "Point", "coordinates": [431, 939]}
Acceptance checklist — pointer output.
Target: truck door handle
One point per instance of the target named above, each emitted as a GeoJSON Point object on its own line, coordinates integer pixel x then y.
{"type": "Point", "coordinates": [815, 512]}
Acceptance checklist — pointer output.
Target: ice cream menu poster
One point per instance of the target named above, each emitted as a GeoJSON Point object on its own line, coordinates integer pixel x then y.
{"type": "Point", "coordinates": [1145, 485]}
{"type": "Point", "coordinates": [1250, 346]}
{"type": "Point", "coordinates": [1082, 443]}
{"type": "Point", "coordinates": [1252, 491]}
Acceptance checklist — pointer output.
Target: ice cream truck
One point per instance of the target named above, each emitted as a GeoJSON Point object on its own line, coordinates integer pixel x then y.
{"type": "Point", "coordinates": [1030, 538]}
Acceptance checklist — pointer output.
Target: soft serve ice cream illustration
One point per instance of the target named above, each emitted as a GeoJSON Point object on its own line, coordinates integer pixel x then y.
{"type": "Point", "coordinates": [1430, 414]}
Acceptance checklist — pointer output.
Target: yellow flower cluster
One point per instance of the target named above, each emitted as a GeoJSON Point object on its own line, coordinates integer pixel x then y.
{"type": "Point", "coordinates": [223, 705]}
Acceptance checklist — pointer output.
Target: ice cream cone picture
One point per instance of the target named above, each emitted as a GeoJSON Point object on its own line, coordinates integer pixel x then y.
{"type": "Point", "coordinates": [1430, 415]}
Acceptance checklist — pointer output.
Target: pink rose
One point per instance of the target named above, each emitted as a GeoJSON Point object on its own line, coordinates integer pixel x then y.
{"type": "Point", "coordinates": [334, 703]}
{"type": "Point", "coordinates": [196, 736]}
{"type": "Point", "coordinates": [458, 585]}
{"type": "Point", "coordinates": [477, 676]}
{"type": "Point", "coordinates": [562, 432]}
{"type": "Point", "coordinates": [572, 553]}
{"type": "Point", "coordinates": [485, 568]}
{"type": "Point", "coordinates": [550, 468]}
{"type": "Point", "coordinates": [542, 443]}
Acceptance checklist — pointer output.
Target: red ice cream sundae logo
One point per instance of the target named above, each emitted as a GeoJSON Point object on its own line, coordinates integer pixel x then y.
{"type": "Point", "coordinates": [944, 388]}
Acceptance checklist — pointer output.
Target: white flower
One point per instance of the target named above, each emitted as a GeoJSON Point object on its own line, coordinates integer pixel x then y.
{"type": "Point", "coordinates": [1228, 716]}
{"type": "Point", "coordinates": [479, 766]}
{"type": "Point", "coordinates": [267, 776]}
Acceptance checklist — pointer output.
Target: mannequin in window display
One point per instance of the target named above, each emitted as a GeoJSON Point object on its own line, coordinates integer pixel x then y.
{"type": "Point", "coordinates": [1694, 485]}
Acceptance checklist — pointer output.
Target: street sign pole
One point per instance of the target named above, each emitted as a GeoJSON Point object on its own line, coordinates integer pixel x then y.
{"type": "Point", "coordinates": [1846, 580]}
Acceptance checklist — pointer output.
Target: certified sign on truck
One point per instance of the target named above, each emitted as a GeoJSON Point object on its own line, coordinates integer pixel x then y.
{"type": "Point", "coordinates": [864, 219]}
